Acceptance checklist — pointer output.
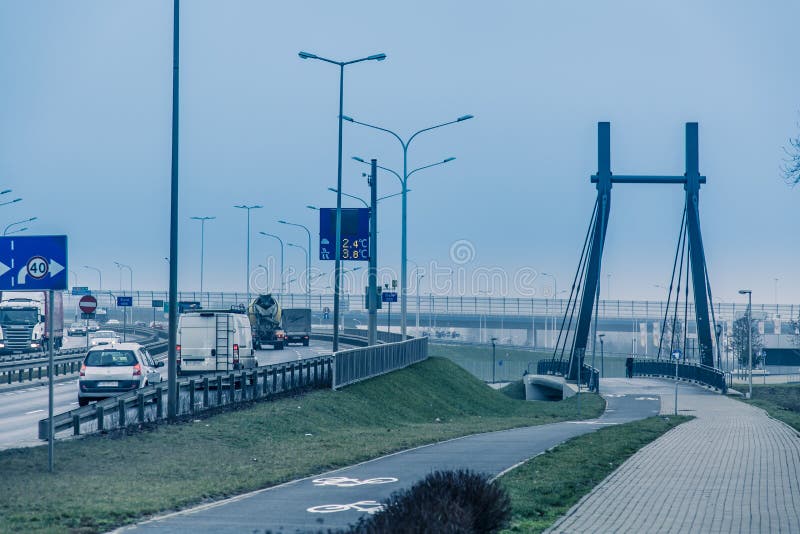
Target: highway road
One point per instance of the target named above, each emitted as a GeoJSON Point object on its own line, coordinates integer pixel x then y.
{"type": "Point", "coordinates": [21, 409]}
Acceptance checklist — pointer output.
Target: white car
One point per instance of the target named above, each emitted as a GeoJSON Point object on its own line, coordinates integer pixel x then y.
{"type": "Point", "coordinates": [104, 337]}
{"type": "Point", "coordinates": [110, 370]}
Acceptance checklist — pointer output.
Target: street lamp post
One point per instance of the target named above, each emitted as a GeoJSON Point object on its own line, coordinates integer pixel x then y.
{"type": "Point", "coordinates": [308, 275]}
{"type": "Point", "coordinates": [749, 294]}
{"type": "Point", "coordinates": [308, 259]}
{"type": "Point", "coordinates": [202, 245]}
{"type": "Point", "coordinates": [283, 289]}
{"type": "Point", "coordinates": [494, 357]}
{"type": "Point", "coordinates": [404, 181]}
{"type": "Point", "coordinates": [247, 268]}
{"type": "Point", "coordinates": [338, 248]}
{"type": "Point", "coordinates": [602, 356]}
{"type": "Point", "coordinates": [6, 232]}
{"type": "Point", "coordinates": [99, 274]}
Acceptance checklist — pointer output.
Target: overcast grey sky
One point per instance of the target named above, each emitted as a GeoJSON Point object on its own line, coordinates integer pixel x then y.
{"type": "Point", "coordinates": [85, 130]}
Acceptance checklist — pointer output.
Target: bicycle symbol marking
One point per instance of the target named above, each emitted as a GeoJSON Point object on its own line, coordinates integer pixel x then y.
{"type": "Point", "coordinates": [370, 507]}
{"type": "Point", "coordinates": [345, 482]}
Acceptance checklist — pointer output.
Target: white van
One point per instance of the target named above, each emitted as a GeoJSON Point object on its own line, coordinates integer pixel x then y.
{"type": "Point", "coordinates": [214, 340]}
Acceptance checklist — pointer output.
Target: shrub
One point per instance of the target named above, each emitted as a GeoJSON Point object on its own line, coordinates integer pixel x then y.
{"type": "Point", "coordinates": [443, 502]}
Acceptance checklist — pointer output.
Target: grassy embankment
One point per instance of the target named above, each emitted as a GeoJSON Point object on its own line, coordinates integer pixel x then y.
{"type": "Point", "coordinates": [781, 401]}
{"type": "Point", "coordinates": [107, 480]}
{"type": "Point", "coordinates": [545, 487]}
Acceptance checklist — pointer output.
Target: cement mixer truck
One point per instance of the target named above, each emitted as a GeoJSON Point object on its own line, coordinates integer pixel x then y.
{"type": "Point", "coordinates": [265, 320]}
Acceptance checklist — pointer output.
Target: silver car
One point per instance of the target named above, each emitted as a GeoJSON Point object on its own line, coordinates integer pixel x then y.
{"type": "Point", "coordinates": [109, 370]}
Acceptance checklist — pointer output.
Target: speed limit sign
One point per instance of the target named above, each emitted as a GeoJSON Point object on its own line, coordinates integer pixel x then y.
{"type": "Point", "coordinates": [37, 267]}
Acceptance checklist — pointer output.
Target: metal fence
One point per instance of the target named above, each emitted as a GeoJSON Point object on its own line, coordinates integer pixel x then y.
{"type": "Point", "coordinates": [686, 371]}
{"type": "Point", "coordinates": [355, 365]}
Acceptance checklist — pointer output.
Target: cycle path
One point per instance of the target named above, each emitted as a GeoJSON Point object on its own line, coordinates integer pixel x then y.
{"type": "Point", "coordinates": [339, 498]}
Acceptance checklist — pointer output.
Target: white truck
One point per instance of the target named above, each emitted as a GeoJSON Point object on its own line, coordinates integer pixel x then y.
{"type": "Point", "coordinates": [24, 324]}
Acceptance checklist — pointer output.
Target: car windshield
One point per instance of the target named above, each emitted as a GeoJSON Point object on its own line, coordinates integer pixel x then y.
{"type": "Point", "coordinates": [110, 358]}
{"type": "Point", "coordinates": [104, 333]}
{"type": "Point", "coordinates": [19, 316]}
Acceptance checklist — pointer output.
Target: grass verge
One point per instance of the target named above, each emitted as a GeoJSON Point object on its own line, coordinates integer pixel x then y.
{"type": "Point", "coordinates": [781, 401]}
{"type": "Point", "coordinates": [104, 481]}
{"type": "Point", "coordinates": [544, 488]}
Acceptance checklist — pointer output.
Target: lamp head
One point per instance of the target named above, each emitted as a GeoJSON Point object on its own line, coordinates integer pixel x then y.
{"type": "Point", "coordinates": [448, 160]}
{"type": "Point", "coordinates": [309, 206]}
{"type": "Point", "coordinates": [346, 118]}
{"type": "Point", "coordinates": [333, 190]}
{"type": "Point", "coordinates": [4, 191]}
{"type": "Point", "coordinates": [282, 221]}
{"type": "Point", "coordinates": [360, 160]}
{"type": "Point", "coordinates": [464, 118]}
{"type": "Point", "coordinates": [378, 57]}
{"type": "Point", "coordinates": [745, 292]}
{"type": "Point", "coordinates": [306, 55]}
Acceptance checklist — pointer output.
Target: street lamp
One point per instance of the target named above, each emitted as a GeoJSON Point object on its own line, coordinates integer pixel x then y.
{"type": "Point", "coordinates": [334, 190]}
{"type": "Point", "coordinates": [283, 289]}
{"type": "Point", "coordinates": [338, 248]}
{"type": "Point", "coordinates": [404, 181]}
{"type": "Point", "coordinates": [494, 356]}
{"type": "Point", "coordinates": [5, 232]}
{"type": "Point", "coordinates": [308, 271]}
{"type": "Point", "coordinates": [602, 355]}
{"type": "Point", "coordinates": [10, 202]}
{"type": "Point", "coordinates": [247, 268]}
{"type": "Point", "coordinates": [99, 274]}
{"type": "Point", "coordinates": [202, 244]}
{"type": "Point", "coordinates": [749, 294]}
{"type": "Point", "coordinates": [308, 259]}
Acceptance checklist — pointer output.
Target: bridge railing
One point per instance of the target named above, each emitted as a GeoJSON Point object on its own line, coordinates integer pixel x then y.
{"type": "Point", "coordinates": [590, 377]}
{"type": "Point", "coordinates": [447, 304]}
{"type": "Point", "coordinates": [686, 371]}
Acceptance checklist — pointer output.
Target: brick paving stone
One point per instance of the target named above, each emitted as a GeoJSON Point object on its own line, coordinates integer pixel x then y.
{"type": "Point", "coordinates": [732, 469]}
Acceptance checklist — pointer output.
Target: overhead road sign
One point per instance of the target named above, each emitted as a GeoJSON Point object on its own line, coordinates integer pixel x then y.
{"type": "Point", "coordinates": [80, 290]}
{"type": "Point", "coordinates": [355, 234]}
{"type": "Point", "coordinates": [88, 304]}
{"type": "Point", "coordinates": [124, 302]}
{"type": "Point", "coordinates": [33, 263]}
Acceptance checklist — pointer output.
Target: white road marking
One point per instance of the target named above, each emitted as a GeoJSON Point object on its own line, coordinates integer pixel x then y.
{"type": "Point", "coordinates": [370, 507]}
{"type": "Point", "coordinates": [34, 411]}
{"type": "Point", "coordinates": [345, 482]}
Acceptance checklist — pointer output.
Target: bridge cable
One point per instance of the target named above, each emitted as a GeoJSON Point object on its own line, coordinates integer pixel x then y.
{"type": "Point", "coordinates": [711, 303]}
{"type": "Point", "coordinates": [671, 282]}
{"type": "Point", "coordinates": [682, 246]}
{"type": "Point", "coordinates": [686, 301]}
{"type": "Point", "coordinates": [574, 290]}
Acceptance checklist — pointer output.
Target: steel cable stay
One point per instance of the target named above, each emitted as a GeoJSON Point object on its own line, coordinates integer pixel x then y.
{"type": "Point", "coordinates": [671, 282]}
{"type": "Point", "coordinates": [572, 302]}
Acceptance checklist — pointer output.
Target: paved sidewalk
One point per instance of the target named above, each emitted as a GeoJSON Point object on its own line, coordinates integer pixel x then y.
{"type": "Point", "coordinates": [733, 469]}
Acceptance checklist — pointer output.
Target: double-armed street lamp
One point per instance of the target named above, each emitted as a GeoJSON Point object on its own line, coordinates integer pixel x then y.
{"type": "Point", "coordinates": [404, 183]}
{"type": "Point", "coordinates": [338, 246]}
{"type": "Point", "coordinates": [7, 228]}
{"type": "Point", "coordinates": [202, 244]}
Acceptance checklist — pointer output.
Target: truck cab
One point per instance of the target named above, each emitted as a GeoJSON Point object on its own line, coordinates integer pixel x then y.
{"type": "Point", "coordinates": [23, 324]}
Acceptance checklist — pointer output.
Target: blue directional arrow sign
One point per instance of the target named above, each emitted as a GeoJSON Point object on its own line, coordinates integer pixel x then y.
{"type": "Point", "coordinates": [33, 263]}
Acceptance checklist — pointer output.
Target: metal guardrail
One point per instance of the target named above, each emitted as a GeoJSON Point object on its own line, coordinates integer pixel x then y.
{"type": "Point", "coordinates": [66, 361]}
{"type": "Point", "coordinates": [590, 377]}
{"type": "Point", "coordinates": [195, 395]}
{"type": "Point", "coordinates": [355, 365]}
{"type": "Point", "coordinates": [701, 374]}
{"type": "Point", "coordinates": [384, 336]}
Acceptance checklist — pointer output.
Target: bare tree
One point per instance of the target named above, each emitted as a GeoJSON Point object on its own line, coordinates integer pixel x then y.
{"type": "Point", "coordinates": [737, 341]}
{"type": "Point", "coordinates": [791, 166]}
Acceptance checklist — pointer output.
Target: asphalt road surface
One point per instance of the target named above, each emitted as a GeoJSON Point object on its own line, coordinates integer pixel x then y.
{"type": "Point", "coordinates": [21, 409]}
{"type": "Point", "coordinates": [339, 498]}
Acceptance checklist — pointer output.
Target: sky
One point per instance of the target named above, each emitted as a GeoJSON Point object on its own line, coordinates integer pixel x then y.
{"type": "Point", "coordinates": [85, 114]}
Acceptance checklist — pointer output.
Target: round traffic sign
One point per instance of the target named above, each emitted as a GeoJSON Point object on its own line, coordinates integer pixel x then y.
{"type": "Point", "coordinates": [87, 304]}
{"type": "Point", "coordinates": [37, 267]}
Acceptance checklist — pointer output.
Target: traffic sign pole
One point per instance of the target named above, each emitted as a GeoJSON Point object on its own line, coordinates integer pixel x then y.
{"type": "Point", "coordinates": [50, 342]}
